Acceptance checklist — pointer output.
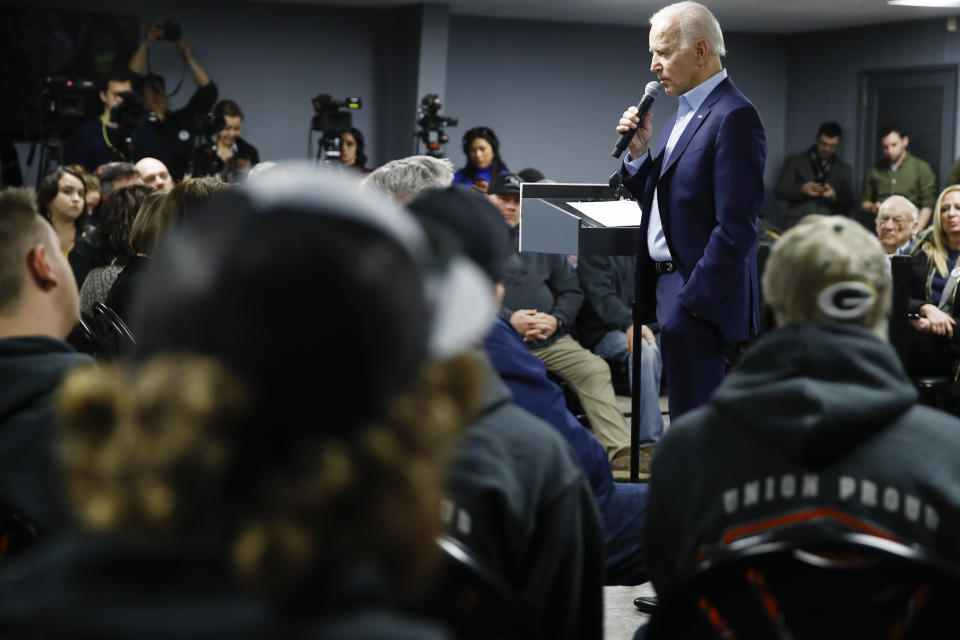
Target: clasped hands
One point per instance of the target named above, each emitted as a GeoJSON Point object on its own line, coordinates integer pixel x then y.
{"type": "Point", "coordinates": [933, 320]}
{"type": "Point", "coordinates": [534, 325]}
{"type": "Point", "coordinates": [818, 190]}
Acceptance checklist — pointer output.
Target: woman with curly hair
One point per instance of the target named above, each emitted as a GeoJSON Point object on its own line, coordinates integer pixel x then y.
{"type": "Point", "coordinates": [225, 489]}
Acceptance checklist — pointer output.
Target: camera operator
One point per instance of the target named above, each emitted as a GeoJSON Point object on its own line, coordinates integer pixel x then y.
{"type": "Point", "coordinates": [118, 134]}
{"type": "Point", "coordinates": [236, 156]}
{"type": "Point", "coordinates": [173, 128]}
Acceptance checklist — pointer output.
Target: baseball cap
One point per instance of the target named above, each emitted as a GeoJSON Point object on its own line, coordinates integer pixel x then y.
{"type": "Point", "coordinates": [829, 268]}
{"type": "Point", "coordinates": [504, 183]}
{"type": "Point", "coordinates": [471, 221]}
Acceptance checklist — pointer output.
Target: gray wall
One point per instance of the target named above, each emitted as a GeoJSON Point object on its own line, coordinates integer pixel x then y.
{"type": "Point", "coordinates": [271, 58]}
{"type": "Point", "coordinates": [825, 70]}
{"type": "Point", "coordinates": [553, 92]}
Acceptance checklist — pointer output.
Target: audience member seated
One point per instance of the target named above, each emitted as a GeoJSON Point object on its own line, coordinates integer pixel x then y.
{"type": "Point", "coordinates": [517, 496]}
{"type": "Point", "coordinates": [817, 180]}
{"type": "Point", "coordinates": [817, 424]}
{"type": "Point", "coordinates": [235, 155]}
{"type": "Point", "coordinates": [152, 223]}
{"type": "Point", "coordinates": [174, 128]}
{"type": "Point", "coordinates": [352, 150]}
{"type": "Point", "coordinates": [154, 174]}
{"type": "Point", "coordinates": [531, 175]}
{"type": "Point", "coordinates": [897, 225]}
{"type": "Point", "coordinates": [103, 139]}
{"type": "Point", "coordinates": [404, 179]}
{"type": "Point", "coordinates": [606, 328]}
{"type": "Point", "coordinates": [38, 308]}
{"type": "Point", "coordinates": [541, 302]}
{"type": "Point", "coordinates": [221, 496]}
{"type": "Point", "coordinates": [482, 235]}
{"type": "Point", "coordinates": [110, 243]}
{"type": "Point", "coordinates": [482, 149]}
{"type": "Point", "coordinates": [114, 175]}
{"type": "Point", "coordinates": [91, 191]}
{"type": "Point", "coordinates": [933, 292]}
{"type": "Point", "coordinates": [899, 173]}
{"type": "Point", "coordinates": [60, 198]}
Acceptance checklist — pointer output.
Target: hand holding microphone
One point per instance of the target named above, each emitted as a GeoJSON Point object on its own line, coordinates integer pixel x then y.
{"type": "Point", "coordinates": [634, 127]}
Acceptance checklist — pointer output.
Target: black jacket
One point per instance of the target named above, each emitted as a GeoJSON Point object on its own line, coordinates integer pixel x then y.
{"type": "Point", "coordinates": [522, 503]}
{"type": "Point", "coordinates": [819, 422]}
{"type": "Point", "coordinates": [83, 586]}
{"type": "Point", "coordinates": [31, 369]}
{"type": "Point", "coordinates": [608, 288]}
{"type": "Point", "coordinates": [542, 281]}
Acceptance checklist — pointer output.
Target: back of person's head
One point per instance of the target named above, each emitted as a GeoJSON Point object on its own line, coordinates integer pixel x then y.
{"type": "Point", "coordinates": [829, 269]}
{"type": "Point", "coordinates": [117, 174]}
{"type": "Point", "coordinates": [531, 175]}
{"type": "Point", "coordinates": [226, 108]}
{"type": "Point", "coordinates": [405, 178]}
{"type": "Point", "coordinates": [153, 222]}
{"type": "Point", "coordinates": [471, 222]}
{"type": "Point", "coordinates": [830, 129]}
{"type": "Point", "coordinates": [21, 228]}
{"type": "Point", "coordinates": [49, 187]}
{"type": "Point", "coordinates": [117, 213]}
{"type": "Point", "coordinates": [304, 420]}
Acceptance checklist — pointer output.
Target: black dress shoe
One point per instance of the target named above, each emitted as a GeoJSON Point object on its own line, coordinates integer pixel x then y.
{"type": "Point", "coordinates": [646, 604]}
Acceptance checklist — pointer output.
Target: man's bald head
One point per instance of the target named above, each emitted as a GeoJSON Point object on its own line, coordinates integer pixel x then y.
{"type": "Point", "coordinates": [155, 174]}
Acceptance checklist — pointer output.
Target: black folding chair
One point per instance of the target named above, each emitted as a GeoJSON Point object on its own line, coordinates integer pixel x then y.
{"type": "Point", "coordinates": [812, 582]}
{"type": "Point", "coordinates": [472, 600]}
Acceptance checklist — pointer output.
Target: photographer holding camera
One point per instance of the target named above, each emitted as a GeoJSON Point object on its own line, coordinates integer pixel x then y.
{"type": "Point", "coordinates": [120, 133]}
{"type": "Point", "coordinates": [175, 129]}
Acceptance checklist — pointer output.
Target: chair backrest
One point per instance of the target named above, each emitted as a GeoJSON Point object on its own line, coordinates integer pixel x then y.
{"type": "Point", "coordinates": [113, 334]}
{"type": "Point", "coordinates": [16, 532]}
{"type": "Point", "coordinates": [84, 339]}
{"type": "Point", "coordinates": [814, 583]}
{"type": "Point", "coordinates": [473, 601]}
{"type": "Point", "coordinates": [900, 267]}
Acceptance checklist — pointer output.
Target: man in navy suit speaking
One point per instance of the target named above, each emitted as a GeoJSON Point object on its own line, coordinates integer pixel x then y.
{"type": "Point", "coordinates": [700, 190]}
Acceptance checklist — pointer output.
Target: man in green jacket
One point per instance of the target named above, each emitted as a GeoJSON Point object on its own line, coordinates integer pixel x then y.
{"type": "Point", "coordinates": [899, 173]}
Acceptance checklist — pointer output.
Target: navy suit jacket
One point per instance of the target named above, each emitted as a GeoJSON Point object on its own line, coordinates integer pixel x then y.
{"type": "Point", "coordinates": [709, 195]}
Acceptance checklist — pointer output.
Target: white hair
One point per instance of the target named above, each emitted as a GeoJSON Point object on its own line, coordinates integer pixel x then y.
{"type": "Point", "coordinates": [404, 179]}
{"type": "Point", "coordinates": [893, 201]}
{"type": "Point", "coordinates": [695, 22]}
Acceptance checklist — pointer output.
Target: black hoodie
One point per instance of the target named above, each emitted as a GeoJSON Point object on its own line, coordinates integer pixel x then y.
{"type": "Point", "coordinates": [818, 423]}
{"type": "Point", "coordinates": [31, 369]}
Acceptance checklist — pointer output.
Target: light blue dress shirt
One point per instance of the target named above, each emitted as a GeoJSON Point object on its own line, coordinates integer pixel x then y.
{"type": "Point", "coordinates": [689, 104]}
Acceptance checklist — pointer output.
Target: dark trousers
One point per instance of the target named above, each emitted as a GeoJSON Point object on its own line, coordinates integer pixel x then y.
{"type": "Point", "coordinates": [694, 355]}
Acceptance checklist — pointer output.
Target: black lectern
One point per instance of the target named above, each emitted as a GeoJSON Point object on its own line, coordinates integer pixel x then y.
{"type": "Point", "coordinates": [586, 219]}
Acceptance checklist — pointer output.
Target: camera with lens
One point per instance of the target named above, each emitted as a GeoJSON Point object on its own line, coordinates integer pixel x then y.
{"type": "Point", "coordinates": [64, 103]}
{"type": "Point", "coordinates": [130, 114]}
{"type": "Point", "coordinates": [331, 118]}
{"type": "Point", "coordinates": [209, 124]}
{"type": "Point", "coordinates": [431, 125]}
{"type": "Point", "coordinates": [329, 114]}
{"type": "Point", "coordinates": [172, 30]}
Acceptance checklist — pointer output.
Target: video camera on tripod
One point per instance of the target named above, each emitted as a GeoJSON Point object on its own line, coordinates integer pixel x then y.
{"type": "Point", "coordinates": [431, 125]}
{"type": "Point", "coordinates": [331, 118]}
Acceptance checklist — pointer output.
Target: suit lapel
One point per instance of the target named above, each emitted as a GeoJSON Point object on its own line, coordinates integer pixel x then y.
{"type": "Point", "coordinates": [696, 121]}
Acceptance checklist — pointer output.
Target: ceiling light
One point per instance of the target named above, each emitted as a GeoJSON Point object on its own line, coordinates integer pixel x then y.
{"type": "Point", "coordinates": [941, 4]}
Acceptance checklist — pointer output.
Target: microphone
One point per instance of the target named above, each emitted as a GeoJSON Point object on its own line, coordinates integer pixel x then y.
{"type": "Point", "coordinates": [649, 95]}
